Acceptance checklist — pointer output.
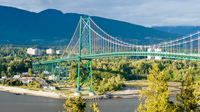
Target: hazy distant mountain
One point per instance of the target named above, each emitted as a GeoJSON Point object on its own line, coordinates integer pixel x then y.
{"type": "Point", "coordinates": [53, 27]}
{"type": "Point", "coordinates": [181, 30]}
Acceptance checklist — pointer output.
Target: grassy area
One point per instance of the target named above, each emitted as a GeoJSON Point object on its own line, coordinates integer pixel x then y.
{"type": "Point", "coordinates": [135, 84]}
{"type": "Point", "coordinates": [69, 93]}
{"type": "Point", "coordinates": [139, 84]}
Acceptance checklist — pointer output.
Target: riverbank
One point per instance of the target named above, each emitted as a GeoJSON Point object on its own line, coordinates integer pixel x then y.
{"type": "Point", "coordinates": [131, 90]}
{"type": "Point", "coordinates": [21, 91]}
{"type": "Point", "coordinates": [125, 93]}
{"type": "Point", "coordinates": [50, 94]}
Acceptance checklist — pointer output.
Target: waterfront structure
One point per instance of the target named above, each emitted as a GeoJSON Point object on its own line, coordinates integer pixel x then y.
{"type": "Point", "coordinates": [35, 51]}
{"type": "Point", "coordinates": [49, 51]}
{"type": "Point", "coordinates": [59, 52]}
{"type": "Point", "coordinates": [90, 42]}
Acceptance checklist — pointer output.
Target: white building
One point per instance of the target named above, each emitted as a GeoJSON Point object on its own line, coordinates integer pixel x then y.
{"type": "Point", "coordinates": [46, 72]}
{"type": "Point", "coordinates": [25, 81]}
{"type": "Point", "coordinates": [4, 77]}
{"type": "Point", "coordinates": [16, 76]}
{"type": "Point", "coordinates": [59, 52]}
{"type": "Point", "coordinates": [49, 51]}
{"type": "Point", "coordinates": [52, 77]}
{"type": "Point", "coordinates": [25, 73]}
{"type": "Point", "coordinates": [34, 51]}
{"type": "Point", "coordinates": [52, 88]}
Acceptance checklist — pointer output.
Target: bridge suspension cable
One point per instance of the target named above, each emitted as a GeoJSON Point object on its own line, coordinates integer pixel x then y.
{"type": "Point", "coordinates": [102, 42]}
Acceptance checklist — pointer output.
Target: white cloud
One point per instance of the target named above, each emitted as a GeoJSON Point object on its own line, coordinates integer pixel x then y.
{"type": "Point", "coordinates": [143, 12]}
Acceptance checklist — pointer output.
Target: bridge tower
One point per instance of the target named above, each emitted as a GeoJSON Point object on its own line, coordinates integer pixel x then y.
{"type": "Point", "coordinates": [84, 49]}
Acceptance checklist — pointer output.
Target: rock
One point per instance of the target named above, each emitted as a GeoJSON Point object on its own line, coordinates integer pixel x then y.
{"type": "Point", "coordinates": [17, 94]}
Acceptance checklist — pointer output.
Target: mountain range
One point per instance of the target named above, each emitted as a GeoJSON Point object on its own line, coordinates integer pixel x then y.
{"type": "Point", "coordinates": [181, 30]}
{"type": "Point", "coordinates": [53, 27]}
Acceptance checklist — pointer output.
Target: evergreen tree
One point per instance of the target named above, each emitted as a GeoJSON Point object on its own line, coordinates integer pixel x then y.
{"type": "Point", "coordinates": [187, 100]}
{"type": "Point", "coordinates": [157, 95]}
{"type": "Point", "coordinates": [94, 108]}
{"type": "Point", "coordinates": [9, 72]}
{"type": "Point", "coordinates": [3, 73]}
{"type": "Point", "coordinates": [22, 75]}
{"type": "Point", "coordinates": [42, 76]}
{"type": "Point", "coordinates": [30, 72]}
{"type": "Point", "coordinates": [75, 105]}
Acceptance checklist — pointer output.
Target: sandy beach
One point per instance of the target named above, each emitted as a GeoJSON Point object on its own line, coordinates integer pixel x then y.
{"type": "Point", "coordinates": [18, 90]}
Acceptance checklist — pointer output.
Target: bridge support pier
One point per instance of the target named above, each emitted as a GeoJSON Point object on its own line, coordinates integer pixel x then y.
{"type": "Point", "coordinates": [80, 76]}
{"type": "Point", "coordinates": [84, 46]}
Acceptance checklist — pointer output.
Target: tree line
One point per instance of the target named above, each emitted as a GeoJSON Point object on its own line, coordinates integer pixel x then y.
{"type": "Point", "coordinates": [14, 59]}
{"type": "Point", "coordinates": [155, 98]}
{"type": "Point", "coordinates": [106, 70]}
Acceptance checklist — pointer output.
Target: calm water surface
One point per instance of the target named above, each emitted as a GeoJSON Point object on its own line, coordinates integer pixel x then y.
{"type": "Point", "coordinates": [19, 103]}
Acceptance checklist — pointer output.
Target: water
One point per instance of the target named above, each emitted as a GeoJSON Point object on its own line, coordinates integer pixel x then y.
{"type": "Point", "coordinates": [117, 105]}
{"type": "Point", "coordinates": [22, 103]}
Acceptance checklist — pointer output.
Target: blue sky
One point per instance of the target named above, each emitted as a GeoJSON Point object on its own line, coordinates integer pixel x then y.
{"type": "Point", "coordinates": [143, 12]}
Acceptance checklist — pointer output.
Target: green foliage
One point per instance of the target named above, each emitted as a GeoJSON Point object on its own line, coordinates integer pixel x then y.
{"type": "Point", "coordinates": [94, 108]}
{"type": "Point", "coordinates": [4, 81]}
{"type": "Point", "coordinates": [22, 75]}
{"type": "Point", "coordinates": [187, 100]}
{"type": "Point", "coordinates": [34, 85]}
{"type": "Point", "coordinates": [14, 59]}
{"type": "Point", "coordinates": [30, 74]}
{"type": "Point", "coordinates": [157, 95]}
{"type": "Point", "coordinates": [11, 82]}
{"type": "Point", "coordinates": [130, 69]}
{"type": "Point", "coordinates": [112, 84]}
{"type": "Point", "coordinates": [42, 76]}
{"type": "Point", "coordinates": [74, 105]}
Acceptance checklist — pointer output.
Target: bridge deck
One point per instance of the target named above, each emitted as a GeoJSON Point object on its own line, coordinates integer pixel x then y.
{"type": "Point", "coordinates": [191, 56]}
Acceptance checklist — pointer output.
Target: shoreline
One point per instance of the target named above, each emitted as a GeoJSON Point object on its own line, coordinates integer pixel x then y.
{"type": "Point", "coordinates": [124, 93]}
{"type": "Point", "coordinates": [21, 91]}
{"type": "Point", "coordinates": [56, 95]}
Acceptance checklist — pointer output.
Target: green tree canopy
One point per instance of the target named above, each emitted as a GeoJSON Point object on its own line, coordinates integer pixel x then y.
{"type": "Point", "coordinates": [187, 100]}
{"type": "Point", "coordinates": [42, 76]}
{"type": "Point", "coordinates": [30, 74]}
{"type": "Point", "coordinates": [156, 97]}
{"type": "Point", "coordinates": [74, 105]}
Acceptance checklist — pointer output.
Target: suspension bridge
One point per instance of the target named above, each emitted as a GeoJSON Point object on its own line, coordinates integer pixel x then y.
{"type": "Point", "coordinates": [89, 41]}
